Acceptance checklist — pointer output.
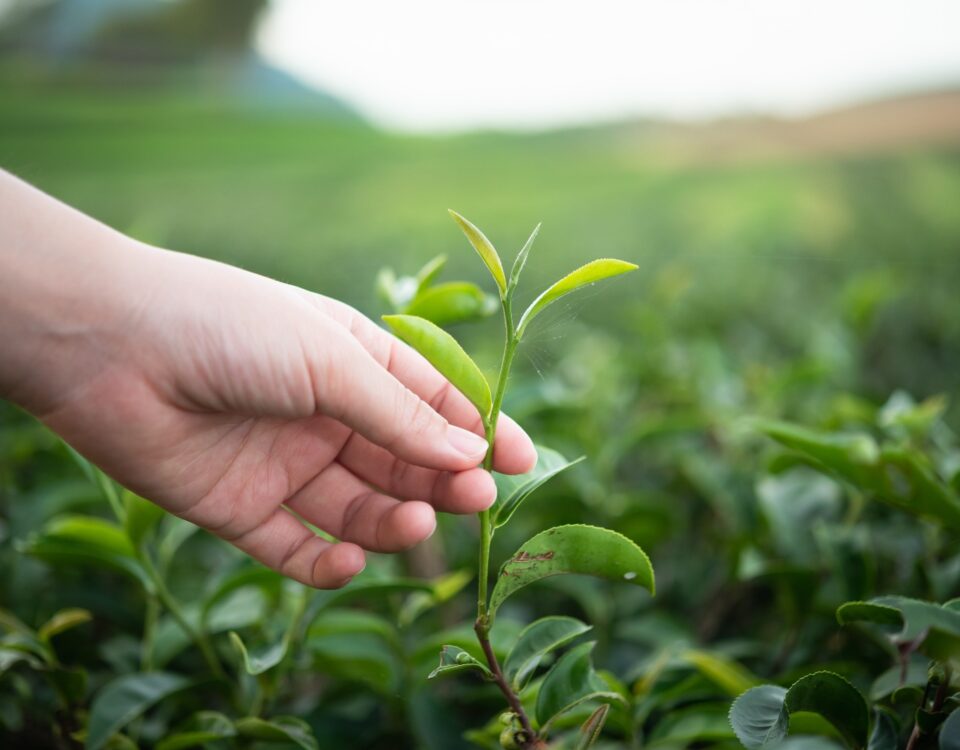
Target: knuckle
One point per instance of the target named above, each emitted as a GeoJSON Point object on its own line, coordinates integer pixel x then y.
{"type": "Point", "coordinates": [416, 417]}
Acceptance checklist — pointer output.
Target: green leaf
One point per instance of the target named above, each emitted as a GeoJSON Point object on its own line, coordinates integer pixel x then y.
{"type": "Point", "coordinates": [512, 490]}
{"type": "Point", "coordinates": [590, 729]}
{"type": "Point", "coordinates": [454, 302]}
{"type": "Point", "coordinates": [885, 734]}
{"type": "Point", "coordinates": [429, 272]}
{"type": "Point", "coordinates": [125, 698]}
{"type": "Point", "coordinates": [878, 614]}
{"type": "Point", "coordinates": [255, 576]}
{"type": "Point", "coordinates": [356, 646]}
{"type": "Point", "coordinates": [141, 517]}
{"type": "Point", "coordinates": [896, 475]}
{"type": "Point", "coordinates": [262, 659]}
{"type": "Point", "coordinates": [203, 727]}
{"type": "Point", "coordinates": [278, 729]}
{"type": "Point", "coordinates": [733, 678]}
{"type": "Point", "coordinates": [485, 248]}
{"type": "Point", "coordinates": [893, 679]}
{"type": "Point", "coordinates": [570, 682]}
{"type": "Point", "coordinates": [935, 628]}
{"type": "Point", "coordinates": [63, 620]}
{"type": "Point", "coordinates": [836, 700]}
{"type": "Point", "coordinates": [173, 533]}
{"type": "Point", "coordinates": [10, 657]}
{"type": "Point", "coordinates": [74, 538]}
{"type": "Point", "coordinates": [576, 548]}
{"type": "Point", "coordinates": [695, 726]}
{"type": "Point", "coordinates": [454, 659]}
{"type": "Point", "coordinates": [537, 640]}
{"type": "Point", "coordinates": [521, 260]}
{"type": "Point", "coordinates": [950, 732]}
{"type": "Point", "coordinates": [10, 622]}
{"type": "Point", "coordinates": [758, 717]}
{"type": "Point", "coordinates": [444, 353]}
{"type": "Point", "coordinates": [590, 273]}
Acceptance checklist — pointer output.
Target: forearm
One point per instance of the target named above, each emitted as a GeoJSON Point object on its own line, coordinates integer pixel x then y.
{"type": "Point", "coordinates": [66, 285]}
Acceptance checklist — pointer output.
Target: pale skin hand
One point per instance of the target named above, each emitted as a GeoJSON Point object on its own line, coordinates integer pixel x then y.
{"type": "Point", "coordinates": [229, 398]}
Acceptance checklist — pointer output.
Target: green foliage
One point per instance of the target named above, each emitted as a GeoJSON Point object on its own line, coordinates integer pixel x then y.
{"type": "Point", "coordinates": [814, 293]}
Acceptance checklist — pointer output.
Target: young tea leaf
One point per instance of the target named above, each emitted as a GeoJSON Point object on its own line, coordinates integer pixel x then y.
{"type": "Point", "coordinates": [444, 353]}
{"type": "Point", "coordinates": [537, 640]}
{"type": "Point", "coordinates": [521, 260]}
{"type": "Point", "coordinates": [513, 489]}
{"type": "Point", "coordinates": [124, 699]}
{"type": "Point", "coordinates": [454, 659]}
{"type": "Point", "coordinates": [485, 248]}
{"type": "Point", "coordinates": [63, 620]}
{"type": "Point", "coordinates": [454, 302]}
{"type": "Point", "coordinates": [259, 661]}
{"type": "Point", "coordinates": [758, 717]}
{"type": "Point", "coordinates": [592, 272]}
{"type": "Point", "coordinates": [577, 548]}
{"type": "Point", "coordinates": [570, 682]}
{"type": "Point", "coordinates": [428, 274]}
{"type": "Point", "coordinates": [590, 729]}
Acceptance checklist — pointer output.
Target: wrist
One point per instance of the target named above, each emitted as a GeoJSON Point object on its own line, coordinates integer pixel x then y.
{"type": "Point", "coordinates": [68, 292]}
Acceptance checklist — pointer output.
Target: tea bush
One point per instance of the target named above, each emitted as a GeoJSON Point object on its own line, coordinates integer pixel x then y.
{"type": "Point", "coordinates": [770, 430]}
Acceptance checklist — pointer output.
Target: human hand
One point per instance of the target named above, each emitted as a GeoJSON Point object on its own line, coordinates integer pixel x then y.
{"type": "Point", "coordinates": [229, 398]}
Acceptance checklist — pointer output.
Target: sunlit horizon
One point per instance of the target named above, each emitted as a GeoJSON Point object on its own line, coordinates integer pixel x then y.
{"type": "Point", "coordinates": [429, 66]}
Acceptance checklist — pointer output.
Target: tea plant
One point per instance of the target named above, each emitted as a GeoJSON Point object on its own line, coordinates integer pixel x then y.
{"type": "Point", "coordinates": [556, 551]}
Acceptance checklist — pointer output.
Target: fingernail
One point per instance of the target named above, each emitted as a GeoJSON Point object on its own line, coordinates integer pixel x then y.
{"type": "Point", "coordinates": [468, 443]}
{"type": "Point", "coordinates": [433, 530]}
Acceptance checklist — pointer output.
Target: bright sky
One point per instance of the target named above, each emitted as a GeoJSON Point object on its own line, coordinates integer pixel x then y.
{"type": "Point", "coordinates": [459, 64]}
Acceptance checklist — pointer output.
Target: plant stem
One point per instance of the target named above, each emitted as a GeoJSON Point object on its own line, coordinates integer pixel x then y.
{"type": "Point", "coordinates": [490, 430]}
{"type": "Point", "coordinates": [149, 632]}
{"type": "Point", "coordinates": [504, 686]}
{"type": "Point", "coordinates": [482, 625]}
{"type": "Point", "coordinates": [197, 636]}
{"type": "Point", "coordinates": [292, 637]}
{"type": "Point", "coordinates": [938, 701]}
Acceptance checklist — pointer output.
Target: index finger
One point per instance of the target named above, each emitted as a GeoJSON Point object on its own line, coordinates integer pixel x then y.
{"type": "Point", "coordinates": [513, 450]}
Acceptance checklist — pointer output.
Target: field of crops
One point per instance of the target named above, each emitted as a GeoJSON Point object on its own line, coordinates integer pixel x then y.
{"type": "Point", "coordinates": [767, 406]}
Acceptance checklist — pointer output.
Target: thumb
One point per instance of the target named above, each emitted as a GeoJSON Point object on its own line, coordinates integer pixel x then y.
{"type": "Point", "coordinates": [352, 387]}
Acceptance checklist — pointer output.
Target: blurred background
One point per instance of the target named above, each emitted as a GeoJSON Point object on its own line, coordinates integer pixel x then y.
{"type": "Point", "coordinates": [787, 177]}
